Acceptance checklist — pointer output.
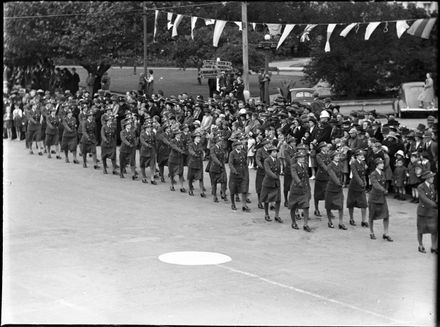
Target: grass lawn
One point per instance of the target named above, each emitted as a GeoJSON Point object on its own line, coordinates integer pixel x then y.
{"type": "Point", "coordinates": [173, 81]}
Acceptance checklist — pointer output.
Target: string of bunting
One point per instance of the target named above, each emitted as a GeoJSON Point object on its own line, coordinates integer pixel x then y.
{"type": "Point", "coordinates": [419, 27]}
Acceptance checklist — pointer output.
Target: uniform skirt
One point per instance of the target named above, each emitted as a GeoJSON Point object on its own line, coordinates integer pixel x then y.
{"type": "Point", "coordinates": [270, 194]}
{"type": "Point", "coordinates": [299, 201]}
{"type": "Point", "coordinates": [69, 143]}
{"type": "Point", "coordinates": [356, 199]}
{"type": "Point", "coordinates": [319, 190]}
{"type": "Point", "coordinates": [51, 139]}
{"type": "Point", "coordinates": [334, 200]}
{"type": "Point", "coordinates": [259, 181]}
{"type": "Point", "coordinates": [218, 178]}
{"type": "Point", "coordinates": [238, 184]}
{"type": "Point", "coordinates": [88, 147]}
{"type": "Point", "coordinates": [195, 174]}
{"type": "Point", "coordinates": [378, 211]}
{"type": "Point", "coordinates": [427, 224]}
{"type": "Point", "coordinates": [108, 152]}
{"type": "Point", "coordinates": [287, 182]}
{"type": "Point", "coordinates": [175, 169]}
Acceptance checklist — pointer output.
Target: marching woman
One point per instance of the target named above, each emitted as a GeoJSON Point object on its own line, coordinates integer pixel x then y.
{"type": "Point", "coordinates": [88, 138]}
{"type": "Point", "coordinates": [69, 141]}
{"type": "Point", "coordinates": [239, 176]}
{"type": "Point", "coordinates": [271, 185]}
{"type": "Point", "coordinates": [357, 196]}
{"type": "Point", "coordinates": [147, 153]}
{"type": "Point", "coordinates": [217, 171]}
{"type": "Point", "coordinates": [128, 139]}
{"type": "Point", "coordinates": [322, 161]}
{"type": "Point", "coordinates": [35, 119]}
{"type": "Point", "coordinates": [427, 212]}
{"type": "Point", "coordinates": [175, 159]}
{"type": "Point", "coordinates": [108, 143]}
{"type": "Point", "coordinates": [195, 164]}
{"type": "Point", "coordinates": [334, 196]}
{"type": "Point", "coordinates": [300, 192]}
{"type": "Point", "coordinates": [261, 155]}
{"type": "Point", "coordinates": [52, 132]}
{"type": "Point", "coordinates": [377, 202]}
{"type": "Point", "coordinates": [289, 160]}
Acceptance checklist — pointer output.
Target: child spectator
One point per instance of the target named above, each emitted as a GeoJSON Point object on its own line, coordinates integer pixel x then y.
{"type": "Point", "coordinates": [399, 179]}
{"type": "Point", "coordinates": [251, 151]}
{"type": "Point", "coordinates": [414, 173]}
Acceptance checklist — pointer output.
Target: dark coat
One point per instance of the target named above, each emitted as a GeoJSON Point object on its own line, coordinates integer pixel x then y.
{"type": "Point", "coordinates": [148, 144]}
{"type": "Point", "coordinates": [217, 162]}
{"type": "Point", "coordinates": [272, 169]}
{"type": "Point", "coordinates": [300, 192]}
{"type": "Point", "coordinates": [195, 156]}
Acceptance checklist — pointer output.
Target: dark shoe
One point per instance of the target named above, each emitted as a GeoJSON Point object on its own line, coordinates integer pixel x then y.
{"type": "Point", "coordinates": [317, 213]}
{"type": "Point", "coordinates": [84, 165]}
{"type": "Point", "coordinates": [416, 201]}
{"type": "Point", "coordinates": [260, 206]}
{"type": "Point", "coordinates": [76, 162]}
{"type": "Point", "coordinates": [190, 193]}
{"type": "Point", "coordinates": [295, 226]}
{"type": "Point", "coordinates": [96, 167]}
{"type": "Point", "coordinates": [364, 224]}
{"type": "Point", "coordinates": [172, 188]}
{"type": "Point", "coordinates": [114, 172]}
{"type": "Point", "coordinates": [162, 180]}
{"type": "Point", "coordinates": [279, 220]}
{"type": "Point", "coordinates": [144, 180]}
{"type": "Point", "coordinates": [352, 223]}
{"type": "Point", "coordinates": [203, 195]}
{"type": "Point", "coordinates": [156, 176]}
{"type": "Point", "coordinates": [267, 218]}
{"type": "Point", "coordinates": [387, 237]}
{"type": "Point", "coordinates": [233, 207]}
{"type": "Point", "coordinates": [422, 249]}
{"type": "Point", "coordinates": [272, 207]}
{"type": "Point", "coordinates": [153, 182]}
{"type": "Point", "coordinates": [248, 200]}
{"type": "Point", "coordinates": [58, 157]}
{"type": "Point", "coordinates": [40, 153]}
{"type": "Point", "coordinates": [53, 152]}
{"type": "Point", "coordinates": [330, 225]}
{"type": "Point", "coordinates": [246, 209]}
{"type": "Point", "coordinates": [342, 227]}
{"type": "Point", "coordinates": [134, 177]}
{"type": "Point", "coordinates": [183, 190]}
{"type": "Point", "coordinates": [307, 228]}
{"type": "Point", "coordinates": [215, 199]}
{"type": "Point", "coordinates": [372, 236]}
{"type": "Point", "coordinates": [434, 251]}
{"type": "Point", "coordinates": [286, 204]}
{"type": "Point", "coordinates": [105, 171]}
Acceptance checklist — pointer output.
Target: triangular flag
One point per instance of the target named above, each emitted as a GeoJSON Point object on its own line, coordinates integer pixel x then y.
{"type": "Point", "coordinates": [274, 29]}
{"type": "Point", "coordinates": [286, 32]}
{"type": "Point", "coordinates": [176, 24]}
{"type": "Point", "coordinates": [401, 27]}
{"type": "Point", "coordinates": [156, 14]}
{"type": "Point", "coordinates": [209, 21]}
{"type": "Point", "coordinates": [169, 18]}
{"type": "Point", "coordinates": [193, 25]}
{"type": "Point", "coordinates": [330, 29]}
{"type": "Point", "coordinates": [240, 26]}
{"type": "Point", "coordinates": [305, 34]}
{"type": "Point", "coordinates": [218, 29]}
{"type": "Point", "coordinates": [347, 30]}
{"type": "Point", "coordinates": [370, 29]}
{"type": "Point", "coordinates": [422, 27]}
{"type": "Point", "coordinates": [253, 25]}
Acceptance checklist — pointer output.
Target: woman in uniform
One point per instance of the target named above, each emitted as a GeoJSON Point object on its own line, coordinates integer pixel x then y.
{"type": "Point", "coordinates": [260, 156]}
{"type": "Point", "coordinates": [88, 138]}
{"type": "Point", "coordinates": [334, 196]}
{"type": "Point", "coordinates": [175, 160]}
{"type": "Point", "coordinates": [377, 202]}
{"type": "Point", "coordinates": [126, 149]}
{"type": "Point", "coordinates": [108, 143]}
{"type": "Point", "coordinates": [195, 164]}
{"type": "Point", "coordinates": [357, 196]}
{"type": "Point", "coordinates": [216, 168]}
{"type": "Point", "coordinates": [271, 185]}
{"type": "Point", "coordinates": [239, 176]}
{"type": "Point", "coordinates": [52, 133]}
{"type": "Point", "coordinates": [289, 160]}
{"type": "Point", "coordinates": [69, 141]}
{"type": "Point", "coordinates": [322, 161]}
{"type": "Point", "coordinates": [427, 212]}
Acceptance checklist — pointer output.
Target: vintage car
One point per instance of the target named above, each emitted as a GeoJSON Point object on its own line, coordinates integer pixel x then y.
{"type": "Point", "coordinates": [302, 96]}
{"type": "Point", "coordinates": [407, 100]}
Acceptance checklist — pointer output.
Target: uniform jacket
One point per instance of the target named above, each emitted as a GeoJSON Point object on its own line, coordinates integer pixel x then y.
{"type": "Point", "coordinates": [217, 156]}
{"type": "Point", "coordinates": [195, 155]}
{"type": "Point", "coordinates": [148, 144]}
{"type": "Point", "coordinates": [427, 201]}
{"type": "Point", "coordinates": [358, 180]}
{"type": "Point", "coordinates": [322, 161]}
{"type": "Point", "coordinates": [69, 126]}
{"type": "Point", "coordinates": [128, 139]}
{"type": "Point", "coordinates": [260, 157]}
{"type": "Point", "coordinates": [238, 164]}
{"type": "Point", "coordinates": [272, 168]}
{"type": "Point", "coordinates": [88, 132]}
{"type": "Point", "coordinates": [52, 125]}
{"type": "Point", "coordinates": [300, 179]}
{"type": "Point", "coordinates": [289, 156]}
{"type": "Point", "coordinates": [108, 135]}
{"type": "Point", "coordinates": [177, 150]}
{"type": "Point", "coordinates": [335, 174]}
{"type": "Point", "coordinates": [377, 193]}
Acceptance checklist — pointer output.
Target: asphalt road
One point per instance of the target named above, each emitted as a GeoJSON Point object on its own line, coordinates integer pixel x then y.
{"type": "Point", "coordinates": [82, 247]}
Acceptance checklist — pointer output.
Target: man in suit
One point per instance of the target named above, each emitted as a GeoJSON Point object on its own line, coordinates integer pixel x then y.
{"type": "Point", "coordinates": [271, 185]}
{"type": "Point", "coordinates": [195, 164]}
{"type": "Point", "coordinates": [148, 152]}
{"type": "Point", "coordinates": [217, 171]}
{"type": "Point", "coordinates": [427, 211]}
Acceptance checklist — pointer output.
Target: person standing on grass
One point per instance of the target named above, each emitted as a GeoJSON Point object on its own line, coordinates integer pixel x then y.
{"type": "Point", "coordinates": [357, 196]}
{"type": "Point", "coordinates": [377, 202]}
{"type": "Point", "coordinates": [427, 212]}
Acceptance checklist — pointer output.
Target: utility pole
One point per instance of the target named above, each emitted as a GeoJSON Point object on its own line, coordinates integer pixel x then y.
{"type": "Point", "coordinates": [245, 49]}
{"type": "Point", "coordinates": [145, 36]}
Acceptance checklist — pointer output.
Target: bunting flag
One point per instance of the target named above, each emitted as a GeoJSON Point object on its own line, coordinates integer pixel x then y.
{"type": "Point", "coordinates": [286, 32]}
{"type": "Point", "coordinates": [193, 25]}
{"type": "Point", "coordinates": [401, 27]}
{"type": "Point", "coordinates": [240, 26]}
{"type": "Point", "coordinates": [347, 30]}
{"type": "Point", "coordinates": [156, 14]}
{"type": "Point", "coordinates": [330, 29]}
{"type": "Point", "coordinates": [274, 29]}
{"type": "Point", "coordinates": [169, 18]}
{"type": "Point", "coordinates": [370, 29]}
{"type": "Point", "coordinates": [176, 24]}
{"type": "Point", "coordinates": [422, 27]}
{"type": "Point", "coordinates": [253, 25]}
{"type": "Point", "coordinates": [209, 22]}
{"type": "Point", "coordinates": [218, 29]}
{"type": "Point", "coordinates": [305, 34]}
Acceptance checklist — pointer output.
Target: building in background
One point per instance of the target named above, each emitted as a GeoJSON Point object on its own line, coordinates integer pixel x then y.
{"type": "Point", "coordinates": [429, 6]}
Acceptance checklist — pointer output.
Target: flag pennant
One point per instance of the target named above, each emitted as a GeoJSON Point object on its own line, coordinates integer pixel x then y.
{"type": "Point", "coordinates": [422, 27]}
{"type": "Point", "coordinates": [193, 25]}
{"type": "Point", "coordinates": [274, 29]}
{"type": "Point", "coordinates": [169, 18]}
{"type": "Point", "coordinates": [347, 30]}
{"type": "Point", "coordinates": [156, 14]}
{"type": "Point", "coordinates": [330, 29]}
{"type": "Point", "coordinates": [176, 24]}
{"type": "Point", "coordinates": [209, 22]}
{"type": "Point", "coordinates": [305, 34]}
{"type": "Point", "coordinates": [240, 26]}
{"type": "Point", "coordinates": [401, 27]}
{"type": "Point", "coordinates": [287, 29]}
{"type": "Point", "coordinates": [254, 25]}
{"type": "Point", "coordinates": [370, 29]}
{"type": "Point", "coordinates": [218, 29]}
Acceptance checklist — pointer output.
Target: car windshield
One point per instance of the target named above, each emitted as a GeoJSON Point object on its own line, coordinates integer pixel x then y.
{"type": "Point", "coordinates": [303, 94]}
{"type": "Point", "coordinates": [411, 94]}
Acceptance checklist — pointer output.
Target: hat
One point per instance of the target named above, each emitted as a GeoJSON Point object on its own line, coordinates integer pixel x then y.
{"type": "Point", "coordinates": [415, 154]}
{"type": "Point", "coordinates": [125, 122]}
{"type": "Point", "coordinates": [392, 134]}
{"type": "Point", "coordinates": [290, 138]}
{"type": "Point", "coordinates": [321, 145]}
{"type": "Point", "coordinates": [324, 114]}
{"type": "Point", "coordinates": [427, 174]}
{"type": "Point", "coordinates": [419, 133]}
{"type": "Point", "coordinates": [242, 111]}
{"type": "Point", "coordinates": [359, 152]}
{"type": "Point", "coordinates": [427, 134]}
{"type": "Point", "coordinates": [353, 130]}
{"type": "Point", "coordinates": [236, 143]}
{"type": "Point", "coordinates": [272, 148]}
{"type": "Point", "coordinates": [430, 118]}
{"type": "Point", "coordinates": [399, 153]}
{"type": "Point", "coordinates": [196, 122]}
{"type": "Point", "coordinates": [385, 148]}
{"type": "Point", "coordinates": [421, 127]}
{"type": "Point", "coordinates": [299, 154]}
{"type": "Point", "coordinates": [89, 113]}
{"type": "Point", "coordinates": [176, 131]}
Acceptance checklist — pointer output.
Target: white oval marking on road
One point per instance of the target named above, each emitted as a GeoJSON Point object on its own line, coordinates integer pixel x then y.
{"type": "Point", "coordinates": [194, 258]}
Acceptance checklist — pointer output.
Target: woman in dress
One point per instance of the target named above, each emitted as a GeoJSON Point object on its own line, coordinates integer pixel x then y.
{"type": "Point", "coordinates": [427, 212]}
{"type": "Point", "coordinates": [322, 160]}
{"type": "Point", "coordinates": [427, 95]}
